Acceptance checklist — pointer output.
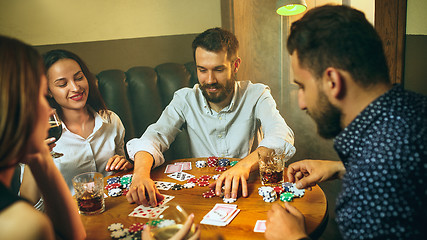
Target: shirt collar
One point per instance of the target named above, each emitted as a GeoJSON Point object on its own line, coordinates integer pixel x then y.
{"type": "Point", "coordinates": [228, 108]}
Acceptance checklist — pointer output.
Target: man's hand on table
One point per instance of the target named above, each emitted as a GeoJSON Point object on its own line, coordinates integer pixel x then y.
{"type": "Point", "coordinates": [143, 191]}
{"type": "Point", "coordinates": [285, 223]}
{"type": "Point", "coordinates": [308, 173]}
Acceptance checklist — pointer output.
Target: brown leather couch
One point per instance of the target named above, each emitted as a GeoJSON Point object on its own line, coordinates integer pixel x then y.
{"type": "Point", "coordinates": [140, 94]}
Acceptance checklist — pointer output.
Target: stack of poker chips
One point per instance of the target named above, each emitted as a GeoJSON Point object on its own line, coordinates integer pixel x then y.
{"type": "Point", "coordinates": [200, 164]}
{"type": "Point", "coordinates": [286, 197]}
{"type": "Point", "coordinates": [118, 232]}
{"type": "Point", "coordinates": [223, 162]}
{"type": "Point", "coordinates": [268, 194]}
{"type": "Point", "coordinates": [232, 163]}
{"type": "Point", "coordinates": [118, 186]}
{"type": "Point", "coordinates": [291, 187]}
{"type": "Point", "coordinates": [212, 161]}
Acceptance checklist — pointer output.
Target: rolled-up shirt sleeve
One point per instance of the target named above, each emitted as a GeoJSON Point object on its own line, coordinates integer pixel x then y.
{"type": "Point", "coordinates": [277, 134]}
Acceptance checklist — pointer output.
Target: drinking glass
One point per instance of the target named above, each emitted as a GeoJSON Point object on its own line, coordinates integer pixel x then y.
{"type": "Point", "coordinates": [55, 131]}
{"type": "Point", "coordinates": [89, 192]}
{"type": "Point", "coordinates": [169, 222]}
{"type": "Point", "coordinates": [271, 167]}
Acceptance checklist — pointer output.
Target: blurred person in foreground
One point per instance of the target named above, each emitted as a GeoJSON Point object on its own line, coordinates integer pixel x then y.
{"type": "Point", "coordinates": [23, 128]}
{"type": "Point", "coordinates": [379, 130]}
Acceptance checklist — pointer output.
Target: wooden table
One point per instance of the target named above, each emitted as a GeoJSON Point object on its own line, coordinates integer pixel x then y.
{"type": "Point", "coordinates": [313, 205]}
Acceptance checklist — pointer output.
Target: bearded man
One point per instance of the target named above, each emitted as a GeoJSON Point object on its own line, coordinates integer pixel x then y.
{"type": "Point", "coordinates": [222, 117]}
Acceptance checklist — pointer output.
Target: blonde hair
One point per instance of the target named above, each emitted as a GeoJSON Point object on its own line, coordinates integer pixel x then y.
{"type": "Point", "coordinates": [21, 69]}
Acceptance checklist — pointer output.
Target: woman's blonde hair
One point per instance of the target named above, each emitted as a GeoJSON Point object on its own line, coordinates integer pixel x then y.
{"type": "Point", "coordinates": [21, 68]}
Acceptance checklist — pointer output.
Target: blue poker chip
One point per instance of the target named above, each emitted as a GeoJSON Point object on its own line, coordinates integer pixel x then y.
{"type": "Point", "coordinates": [113, 180]}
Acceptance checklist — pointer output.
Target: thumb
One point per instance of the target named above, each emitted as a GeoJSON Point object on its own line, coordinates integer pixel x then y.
{"type": "Point", "coordinates": [146, 234]}
{"type": "Point", "coordinates": [293, 210]}
{"type": "Point", "coordinates": [306, 182]}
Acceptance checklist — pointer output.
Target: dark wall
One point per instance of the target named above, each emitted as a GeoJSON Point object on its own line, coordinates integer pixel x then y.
{"type": "Point", "coordinates": [416, 63]}
{"type": "Point", "coordinates": [125, 53]}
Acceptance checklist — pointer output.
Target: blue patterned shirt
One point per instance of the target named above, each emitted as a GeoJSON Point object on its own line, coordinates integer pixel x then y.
{"type": "Point", "coordinates": [384, 151]}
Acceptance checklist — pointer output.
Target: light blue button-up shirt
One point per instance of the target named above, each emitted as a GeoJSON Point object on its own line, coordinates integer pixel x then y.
{"type": "Point", "coordinates": [228, 133]}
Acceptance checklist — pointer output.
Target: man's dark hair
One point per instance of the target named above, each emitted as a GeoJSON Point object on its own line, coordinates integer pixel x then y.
{"type": "Point", "coordinates": [339, 37]}
{"type": "Point", "coordinates": [216, 40]}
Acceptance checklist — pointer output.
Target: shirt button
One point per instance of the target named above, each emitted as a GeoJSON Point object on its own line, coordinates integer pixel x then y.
{"type": "Point", "coordinates": [219, 136]}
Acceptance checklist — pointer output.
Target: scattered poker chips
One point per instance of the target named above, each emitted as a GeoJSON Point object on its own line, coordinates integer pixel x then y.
{"type": "Point", "coordinates": [204, 178]}
{"type": "Point", "coordinates": [113, 185]}
{"type": "Point", "coordinates": [229, 200]}
{"type": "Point", "coordinates": [193, 180]}
{"type": "Point", "coordinates": [113, 180]}
{"type": "Point", "coordinates": [203, 183]}
{"type": "Point", "coordinates": [200, 164]}
{"type": "Point", "coordinates": [118, 234]}
{"type": "Point", "coordinates": [232, 163]}
{"type": "Point", "coordinates": [176, 187]}
{"type": "Point", "coordinates": [223, 162]}
{"type": "Point", "coordinates": [286, 197]}
{"type": "Point", "coordinates": [278, 190]}
{"type": "Point", "coordinates": [220, 169]}
{"type": "Point", "coordinates": [189, 185]}
{"type": "Point", "coordinates": [166, 223]}
{"type": "Point", "coordinates": [209, 194]}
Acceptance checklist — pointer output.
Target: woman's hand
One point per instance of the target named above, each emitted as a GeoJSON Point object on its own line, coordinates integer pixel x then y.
{"type": "Point", "coordinates": [118, 163]}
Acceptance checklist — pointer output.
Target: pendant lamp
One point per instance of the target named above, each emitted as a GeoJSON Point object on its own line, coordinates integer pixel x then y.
{"type": "Point", "coordinates": [290, 7]}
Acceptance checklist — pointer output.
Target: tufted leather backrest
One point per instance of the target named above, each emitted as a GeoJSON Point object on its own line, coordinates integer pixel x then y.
{"type": "Point", "coordinates": [140, 94]}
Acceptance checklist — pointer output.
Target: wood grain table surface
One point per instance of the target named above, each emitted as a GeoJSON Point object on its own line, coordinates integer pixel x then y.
{"type": "Point", "coordinates": [313, 205]}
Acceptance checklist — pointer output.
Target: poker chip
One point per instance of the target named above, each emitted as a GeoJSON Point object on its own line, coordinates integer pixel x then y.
{"type": "Point", "coordinates": [200, 164]}
{"type": "Point", "coordinates": [287, 186]}
{"type": "Point", "coordinates": [209, 194]}
{"type": "Point", "coordinates": [286, 197]}
{"type": "Point", "coordinates": [267, 192]}
{"type": "Point", "coordinates": [115, 192]}
{"type": "Point", "coordinates": [204, 178]}
{"type": "Point", "coordinates": [176, 187]}
{"type": "Point", "coordinates": [115, 226]}
{"type": "Point", "coordinates": [193, 180]}
{"type": "Point", "coordinates": [224, 162]}
{"type": "Point", "coordinates": [203, 183]}
{"type": "Point", "coordinates": [125, 191]}
{"type": "Point", "coordinates": [229, 200]}
{"type": "Point", "coordinates": [232, 163]}
{"type": "Point", "coordinates": [215, 177]}
{"type": "Point", "coordinates": [298, 192]}
{"type": "Point", "coordinates": [278, 190]}
{"type": "Point", "coordinates": [118, 234]}
{"type": "Point", "coordinates": [269, 199]}
{"type": "Point", "coordinates": [220, 169]}
{"type": "Point", "coordinates": [113, 180]}
{"type": "Point", "coordinates": [189, 185]}
{"type": "Point", "coordinates": [113, 185]}
{"type": "Point", "coordinates": [136, 227]}
{"type": "Point", "coordinates": [212, 161]}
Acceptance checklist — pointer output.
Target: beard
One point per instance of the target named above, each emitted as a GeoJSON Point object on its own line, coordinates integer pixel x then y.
{"type": "Point", "coordinates": [327, 118]}
{"type": "Point", "coordinates": [223, 91]}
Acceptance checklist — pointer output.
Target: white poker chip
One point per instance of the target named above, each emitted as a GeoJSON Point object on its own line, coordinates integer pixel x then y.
{"type": "Point", "coordinates": [229, 200]}
{"type": "Point", "coordinates": [269, 199]}
{"type": "Point", "coordinates": [118, 234]}
{"type": "Point", "coordinates": [215, 177]}
{"type": "Point", "coordinates": [166, 223]}
{"type": "Point", "coordinates": [189, 185]}
{"type": "Point", "coordinates": [298, 192]}
{"type": "Point", "coordinates": [200, 164]}
{"type": "Point", "coordinates": [115, 227]}
{"type": "Point", "coordinates": [115, 192]}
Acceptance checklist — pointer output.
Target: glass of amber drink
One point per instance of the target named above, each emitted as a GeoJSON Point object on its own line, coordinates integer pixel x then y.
{"type": "Point", "coordinates": [89, 192]}
{"type": "Point", "coordinates": [271, 167]}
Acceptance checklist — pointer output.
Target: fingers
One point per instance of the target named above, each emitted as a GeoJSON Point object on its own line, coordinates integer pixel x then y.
{"type": "Point", "coordinates": [185, 228]}
{"type": "Point", "coordinates": [146, 234]}
{"type": "Point", "coordinates": [116, 163]}
{"type": "Point", "coordinates": [196, 234]}
{"type": "Point", "coordinates": [292, 210]}
{"type": "Point", "coordinates": [244, 187]}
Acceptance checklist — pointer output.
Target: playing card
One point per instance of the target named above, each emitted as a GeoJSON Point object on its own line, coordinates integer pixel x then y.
{"type": "Point", "coordinates": [172, 168]}
{"type": "Point", "coordinates": [221, 215]}
{"type": "Point", "coordinates": [260, 226]}
{"type": "Point", "coordinates": [180, 176]}
{"type": "Point", "coordinates": [153, 212]}
{"type": "Point", "coordinates": [163, 185]}
{"type": "Point", "coordinates": [185, 165]}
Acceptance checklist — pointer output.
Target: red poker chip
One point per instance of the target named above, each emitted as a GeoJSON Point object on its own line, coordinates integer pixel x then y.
{"type": "Point", "coordinates": [112, 186]}
{"type": "Point", "coordinates": [221, 169]}
{"type": "Point", "coordinates": [136, 227]}
{"type": "Point", "coordinates": [193, 180]}
{"type": "Point", "coordinates": [209, 194]}
{"type": "Point", "coordinates": [204, 178]}
{"type": "Point", "coordinates": [212, 158]}
{"type": "Point", "coordinates": [203, 183]}
{"type": "Point", "coordinates": [125, 191]}
{"type": "Point", "coordinates": [278, 190]}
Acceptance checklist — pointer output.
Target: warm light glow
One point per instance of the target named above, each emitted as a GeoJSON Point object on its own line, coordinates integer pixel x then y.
{"type": "Point", "coordinates": [291, 9]}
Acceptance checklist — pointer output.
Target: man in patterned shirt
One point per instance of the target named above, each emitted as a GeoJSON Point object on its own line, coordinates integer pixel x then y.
{"type": "Point", "coordinates": [379, 130]}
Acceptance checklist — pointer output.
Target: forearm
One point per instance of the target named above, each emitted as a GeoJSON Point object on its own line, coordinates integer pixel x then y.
{"type": "Point", "coordinates": [251, 161]}
{"type": "Point", "coordinates": [29, 189]}
{"type": "Point", "coordinates": [59, 204]}
{"type": "Point", "coordinates": [143, 163]}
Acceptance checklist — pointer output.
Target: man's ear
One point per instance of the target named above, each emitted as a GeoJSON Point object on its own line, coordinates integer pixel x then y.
{"type": "Point", "coordinates": [236, 64]}
{"type": "Point", "coordinates": [333, 82]}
